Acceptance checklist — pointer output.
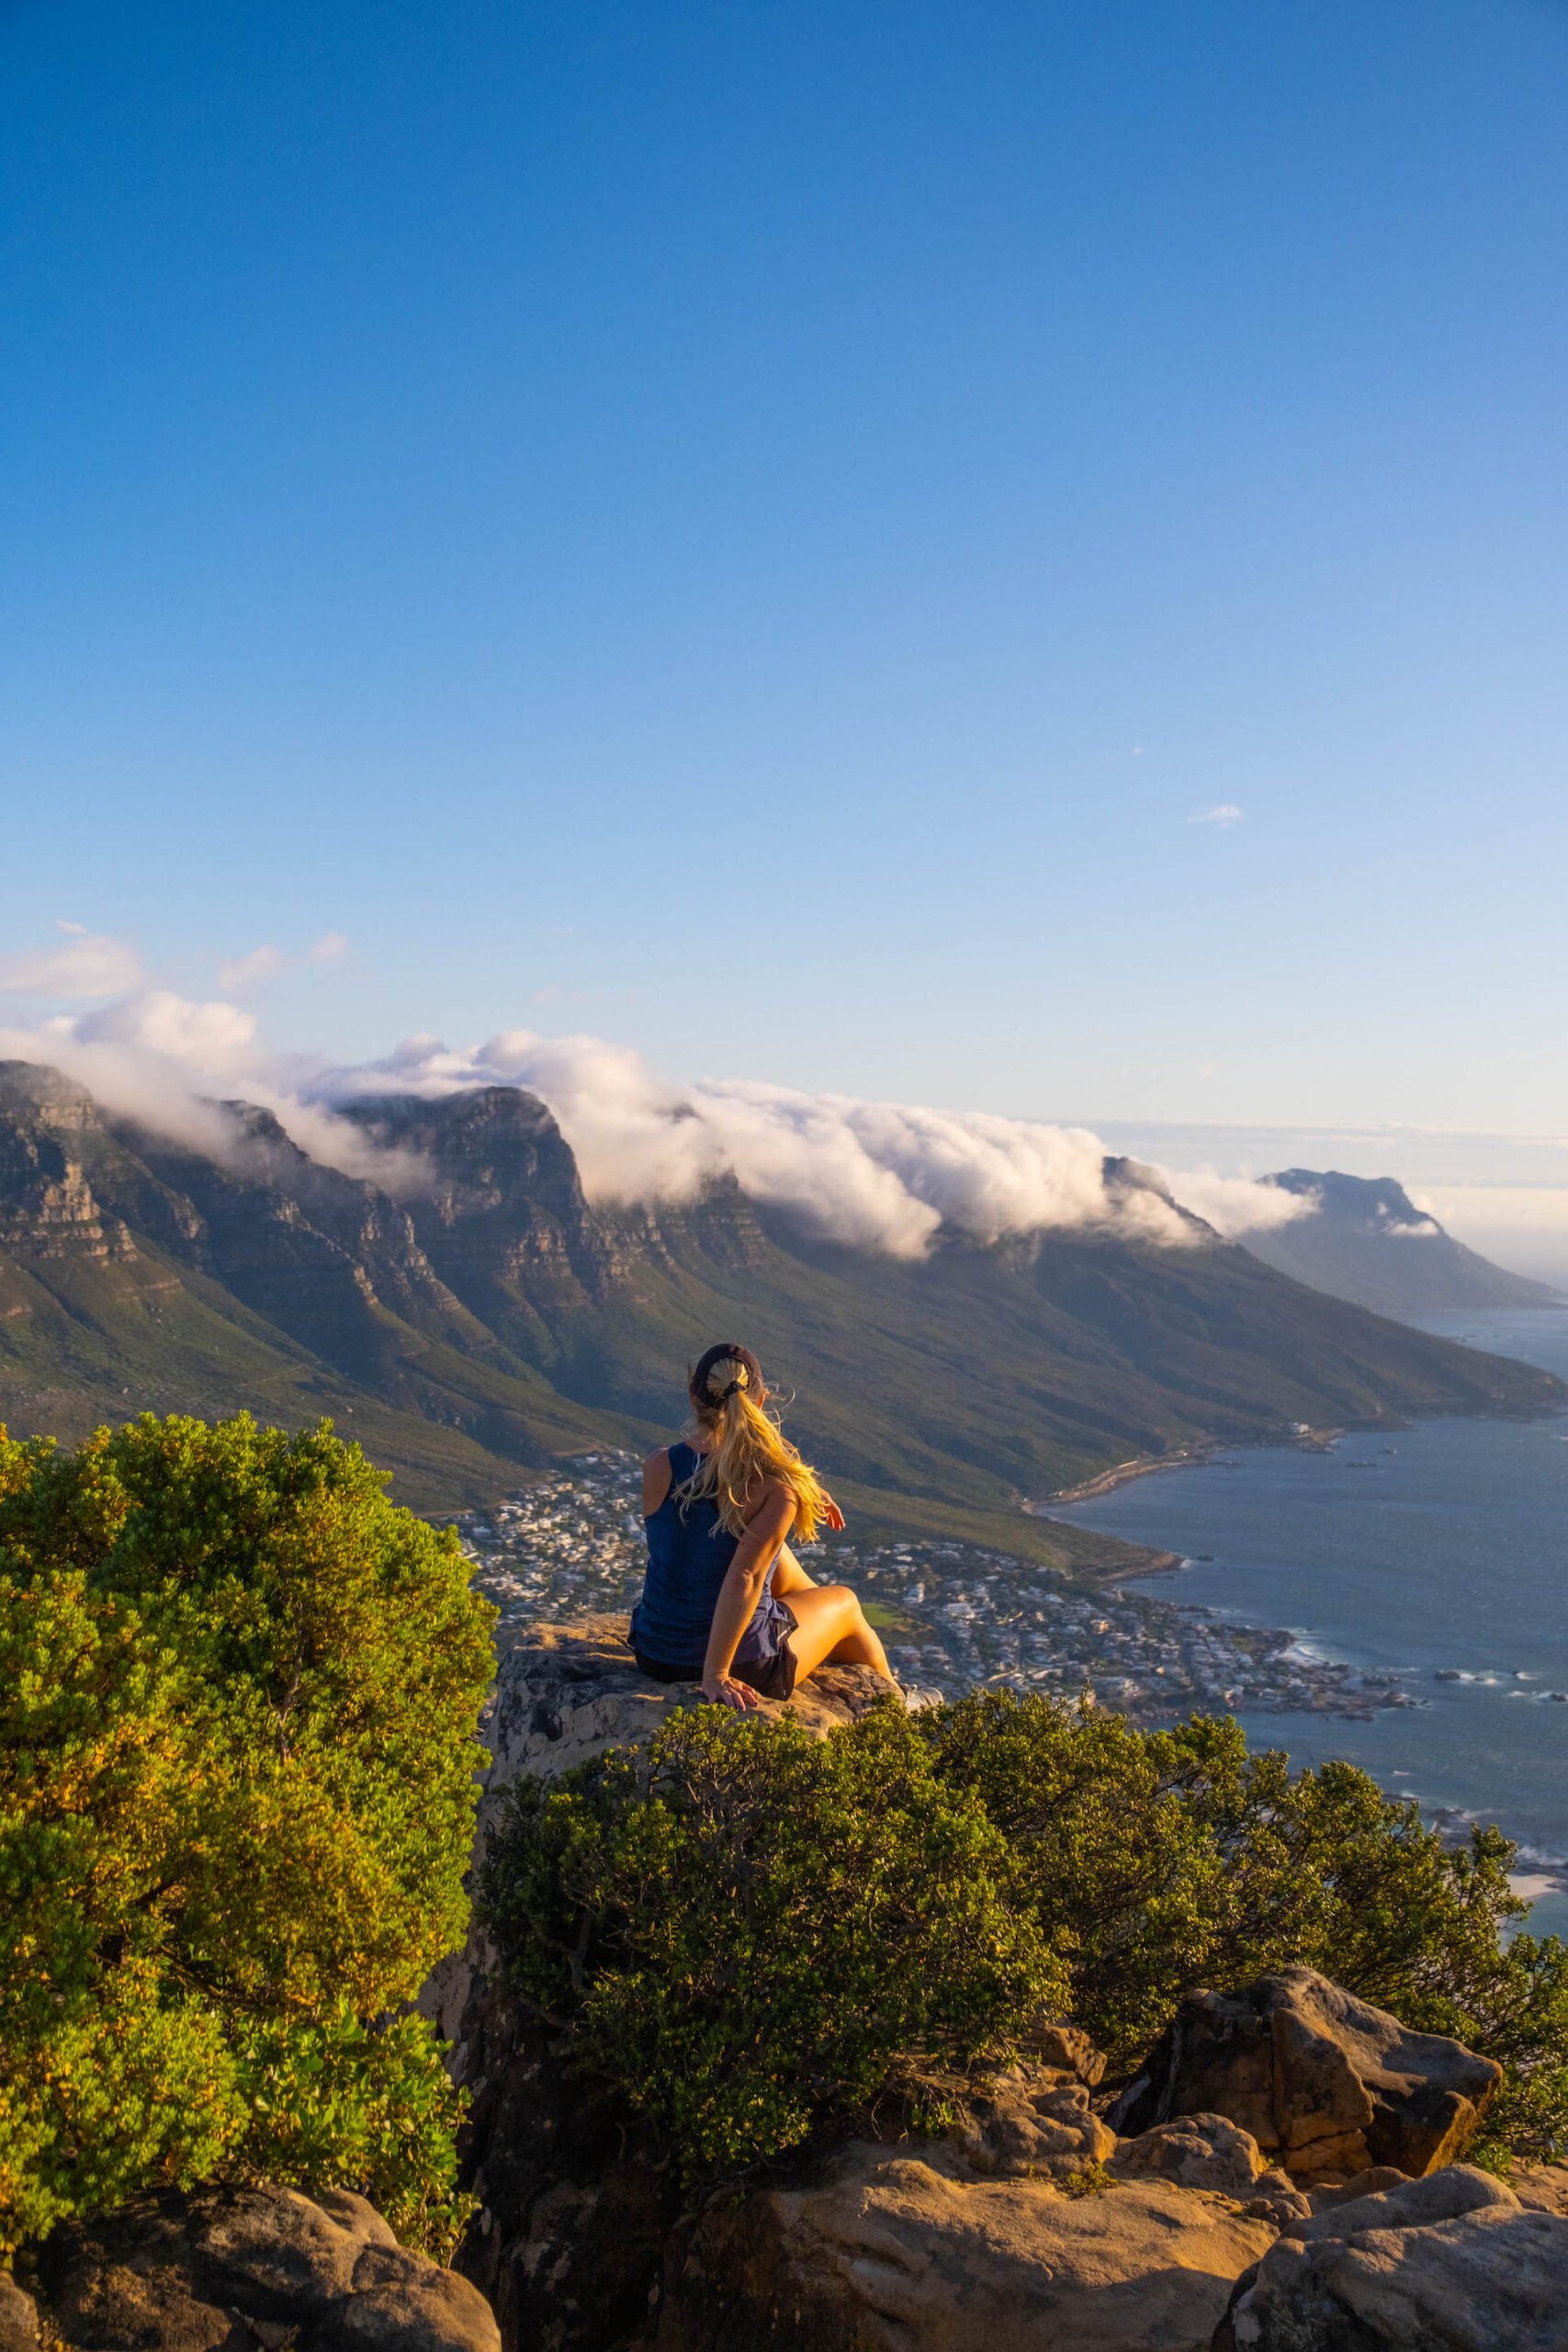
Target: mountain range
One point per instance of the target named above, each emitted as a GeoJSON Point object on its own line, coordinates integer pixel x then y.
{"type": "Point", "coordinates": [487, 1318]}
{"type": "Point", "coordinates": [1367, 1241]}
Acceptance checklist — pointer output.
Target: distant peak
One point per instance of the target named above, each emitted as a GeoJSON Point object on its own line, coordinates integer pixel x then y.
{"type": "Point", "coordinates": [1376, 1203]}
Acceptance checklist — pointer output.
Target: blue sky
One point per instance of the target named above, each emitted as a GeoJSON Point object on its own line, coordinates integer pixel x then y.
{"type": "Point", "coordinates": [762, 531]}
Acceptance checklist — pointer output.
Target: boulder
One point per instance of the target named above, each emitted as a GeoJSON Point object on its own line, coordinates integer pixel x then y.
{"type": "Point", "coordinates": [1326, 2084]}
{"type": "Point", "coordinates": [1210, 2151]}
{"type": "Point", "coordinates": [566, 1693]}
{"type": "Point", "coordinates": [220, 2270]}
{"type": "Point", "coordinates": [1029, 2120]}
{"type": "Point", "coordinates": [1069, 2051]}
{"type": "Point", "coordinates": [890, 2252]}
{"type": "Point", "coordinates": [1359, 2184]}
{"type": "Point", "coordinates": [1437, 2196]}
{"type": "Point", "coordinates": [1195, 2152]}
{"type": "Point", "coordinates": [19, 2317]}
{"type": "Point", "coordinates": [1449, 2263]}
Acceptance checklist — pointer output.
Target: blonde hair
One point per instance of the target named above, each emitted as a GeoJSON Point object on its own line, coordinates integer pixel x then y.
{"type": "Point", "coordinates": [746, 1446]}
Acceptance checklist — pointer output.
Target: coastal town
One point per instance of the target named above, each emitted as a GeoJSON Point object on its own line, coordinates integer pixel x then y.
{"type": "Point", "coordinates": [954, 1616]}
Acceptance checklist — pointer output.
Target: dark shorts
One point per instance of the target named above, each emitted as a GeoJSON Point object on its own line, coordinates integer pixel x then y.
{"type": "Point", "coordinates": [773, 1676]}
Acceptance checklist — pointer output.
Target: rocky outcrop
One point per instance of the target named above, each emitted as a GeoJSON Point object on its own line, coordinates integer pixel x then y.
{"type": "Point", "coordinates": [232, 2270]}
{"type": "Point", "coordinates": [1451, 2262]}
{"type": "Point", "coordinates": [577, 2201]}
{"type": "Point", "coordinates": [1327, 2084]}
{"type": "Point", "coordinates": [567, 1693]}
{"type": "Point", "coordinates": [887, 2252]}
{"type": "Point", "coordinates": [1033, 2218]}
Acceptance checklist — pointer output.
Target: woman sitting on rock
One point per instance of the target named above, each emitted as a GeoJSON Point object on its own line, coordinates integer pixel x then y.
{"type": "Point", "coordinates": [724, 1601]}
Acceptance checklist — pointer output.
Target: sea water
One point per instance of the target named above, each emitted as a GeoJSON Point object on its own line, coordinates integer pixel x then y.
{"type": "Point", "coordinates": [1434, 1551]}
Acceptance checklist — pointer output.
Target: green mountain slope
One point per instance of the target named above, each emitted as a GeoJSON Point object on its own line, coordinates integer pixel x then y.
{"type": "Point", "coordinates": [484, 1317]}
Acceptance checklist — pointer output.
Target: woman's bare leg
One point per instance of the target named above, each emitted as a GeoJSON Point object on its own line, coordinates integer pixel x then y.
{"type": "Point", "coordinates": [789, 1575]}
{"type": "Point", "coordinates": [830, 1625]}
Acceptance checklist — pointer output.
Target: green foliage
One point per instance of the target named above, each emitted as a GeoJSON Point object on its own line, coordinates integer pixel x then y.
{"type": "Point", "coordinates": [748, 1926]}
{"type": "Point", "coordinates": [238, 1697]}
{"type": "Point", "coordinates": [748, 1933]}
{"type": "Point", "coordinates": [333, 2099]}
{"type": "Point", "coordinates": [1167, 1858]}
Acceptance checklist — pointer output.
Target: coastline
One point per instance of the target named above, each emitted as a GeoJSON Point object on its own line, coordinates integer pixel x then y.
{"type": "Point", "coordinates": [1188, 1457]}
{"type": "Point", "coordinates": [1504, 1765]}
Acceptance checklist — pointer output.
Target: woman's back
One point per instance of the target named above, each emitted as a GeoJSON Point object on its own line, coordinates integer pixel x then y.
{"type": "Point", "coordinates": [688, 1558]}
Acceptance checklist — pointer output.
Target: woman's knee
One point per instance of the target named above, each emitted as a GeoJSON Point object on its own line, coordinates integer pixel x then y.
{"type": "Point", "coordinates": [846, 1603]}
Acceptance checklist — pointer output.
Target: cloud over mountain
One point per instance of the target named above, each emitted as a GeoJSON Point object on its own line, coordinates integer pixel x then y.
{"type": "Point", "coordinates": [882, 1176]}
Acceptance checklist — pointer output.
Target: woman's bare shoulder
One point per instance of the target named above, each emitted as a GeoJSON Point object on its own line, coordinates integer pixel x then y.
{"type": "Point", "coordinates": [657, 1474]}
{"type": "Point", "coordinates": [770, 1499]}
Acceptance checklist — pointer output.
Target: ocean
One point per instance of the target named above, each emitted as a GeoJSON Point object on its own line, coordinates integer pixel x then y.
{"type": "Point", "coordinates": [1439, 1551]}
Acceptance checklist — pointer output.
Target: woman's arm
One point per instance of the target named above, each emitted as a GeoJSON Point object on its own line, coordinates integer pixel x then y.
{"type": "Point", "coordinates": [767, 1524]}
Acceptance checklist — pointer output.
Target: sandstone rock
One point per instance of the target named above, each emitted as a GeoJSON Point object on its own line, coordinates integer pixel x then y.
{"type": "Point", "coordinates": [1327, 2194]}
{"type": "Point", "coordinates": [222, 2269]}
{"type": "Point", "coordinates": [1195, 2152]}
{"type": "Point", "coordinates": [18, 2318]}
{"type": "Point", "coordinates": [567, 1693]}
{"type": "Point", "coordinates": [1069, 2049]}
{"type": "Point", "coordinates": [1323, 2082]}
{"type": "Point", "coordinates": [890, 2254]}
{"type": "Point", "coordinates": [1449, 2263]}
{"type": "Point", "coordinates": [1543, 2188]}
{"type": "Point", "coordinates": [1030, 2121]}
{"type": "Point", "coordinates": [1276, 2199]}
{"type": "Point", "coordinates": [1437, 2196]}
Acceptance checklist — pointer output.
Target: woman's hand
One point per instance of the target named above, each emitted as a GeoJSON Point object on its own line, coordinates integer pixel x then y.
{"type": "Point", "coordinates": [724, 1691]}
{"type": "Point", "coordinates": [833, 1516]}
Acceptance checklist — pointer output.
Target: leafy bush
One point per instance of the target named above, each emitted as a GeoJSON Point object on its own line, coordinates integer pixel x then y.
{"type": "Point", "coordinates": [747, 1927]}
{"type": "Point", "coordinates": [1159, 1861]}
{"type": "Point", "coordinates": [749, 1934]}
{"type": "Point", "coordinates": [238, 1699]}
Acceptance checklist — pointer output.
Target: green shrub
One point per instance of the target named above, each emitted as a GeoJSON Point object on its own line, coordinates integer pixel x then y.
{"type": "Point", "coordinates": [238, 1699]}
{"type": "Point", "coordinates": [749, 1928]}
{"type": "Point", "coordinates": [748, 1933]}
{"type": "Point", "coordinates": [1162, 1859]}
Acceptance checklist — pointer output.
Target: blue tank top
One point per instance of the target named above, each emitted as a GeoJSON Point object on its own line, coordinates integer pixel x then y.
{"type": "Point", "coordinates": [688, 1558]}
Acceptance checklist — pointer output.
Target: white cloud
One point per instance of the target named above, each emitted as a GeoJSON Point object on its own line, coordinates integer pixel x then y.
{"type": "Point", "coordinates": [1238, 1204]}
{"type": "Point", "coordinates": [884, 1176]}
{"type": "Point", "coordinates": [244, 974]}
{"type": "Point", "coordinates": [240, 975]}
{"type": "Point", "coordinates": [1225, 813]}
{"type": "Point", "coordinates": [87, 968]}
{"type": "Point", "coordinates": [873, 1175]}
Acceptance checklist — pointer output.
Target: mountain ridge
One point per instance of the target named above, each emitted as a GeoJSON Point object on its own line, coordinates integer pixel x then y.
{"type": "Point", "coordinates": [489, 1320]}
